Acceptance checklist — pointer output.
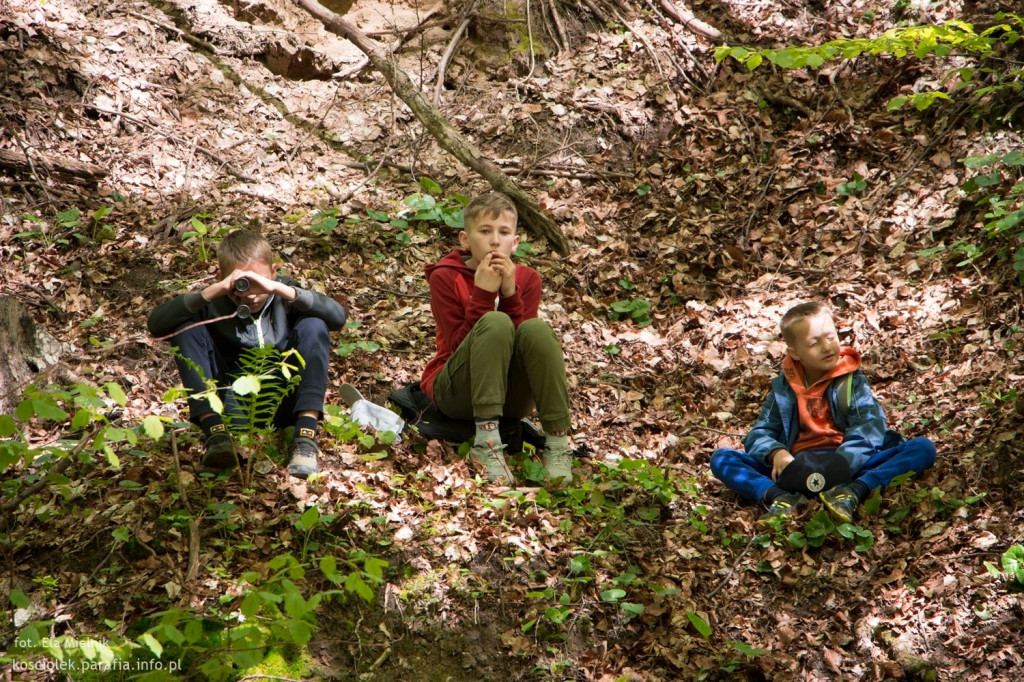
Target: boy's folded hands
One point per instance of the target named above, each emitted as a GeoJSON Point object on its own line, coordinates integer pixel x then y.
{"type": "Point", "coordinates": [487, 276]}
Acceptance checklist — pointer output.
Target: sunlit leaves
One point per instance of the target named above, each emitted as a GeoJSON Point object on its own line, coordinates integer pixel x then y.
{"type": "Point", "coordinates": [699, 624]}
{"type": "Point", "coordinates": [153, 427]}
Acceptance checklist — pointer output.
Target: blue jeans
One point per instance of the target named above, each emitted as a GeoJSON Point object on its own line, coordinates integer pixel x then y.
{"type": "Point", "coordinates": [752, 479]}
{"type": "Point", "coordinates": [310, 337]}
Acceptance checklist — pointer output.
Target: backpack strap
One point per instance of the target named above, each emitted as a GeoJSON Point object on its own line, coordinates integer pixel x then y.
{"type": "Point", "coordinates": [844, 391]}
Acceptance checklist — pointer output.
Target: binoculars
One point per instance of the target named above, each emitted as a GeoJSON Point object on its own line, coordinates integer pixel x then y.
{"type": "Point", "coordinates": [242, 284]}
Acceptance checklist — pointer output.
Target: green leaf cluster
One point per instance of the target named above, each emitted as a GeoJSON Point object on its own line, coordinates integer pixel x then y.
{"type": "Point", "coordinates": [637, 310]}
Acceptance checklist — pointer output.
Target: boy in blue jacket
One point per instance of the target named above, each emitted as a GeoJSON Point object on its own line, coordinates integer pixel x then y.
{"type": "Point", "coordinates": [211, 335]}
{"type": "Point", "coordinates": [820, 431]}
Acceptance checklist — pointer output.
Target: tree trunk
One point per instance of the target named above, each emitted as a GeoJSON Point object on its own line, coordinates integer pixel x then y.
{"type": "Point", "coordinates": [25, 350]}
{"type": "Point", "coordinates": [534, 219]}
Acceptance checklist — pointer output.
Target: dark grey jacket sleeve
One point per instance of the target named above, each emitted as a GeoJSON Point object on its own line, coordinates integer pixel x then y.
{"type": "Point", "coordinates": [175, 312]}
{"type": "Point", "coordinates": [315, 304]}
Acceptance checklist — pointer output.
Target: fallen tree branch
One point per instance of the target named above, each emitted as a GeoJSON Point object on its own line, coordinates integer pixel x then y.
{"type": "Point", "coordinates": [783, 99]}
{"type": "Point", "coordinates": [682, 46]}
{"type": "Point", "coordinates": [451, 140]}
{"type": "Point", "coordinates": [687, 19]}
{"type": "Point", "coordinates": [69, 169]}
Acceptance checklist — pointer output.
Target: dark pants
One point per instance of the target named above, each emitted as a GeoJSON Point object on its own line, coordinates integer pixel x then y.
{"type": "Point", "coordinates": [752, 479]}
{"type": "Point", "coordinates": [310, 337]}
{"type": "Point", "coordinates": [503, 370]}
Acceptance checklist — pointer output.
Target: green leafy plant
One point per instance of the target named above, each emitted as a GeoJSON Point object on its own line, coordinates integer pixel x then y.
{"type": "Point", "coordinates": [267, 376]}
{"type": "Point", "coordinates": [324, 221]}
{"type": "Point", "coordinates": [276, 609]}
{"type": "Point", "coordinates": [637, 310]}
{"type": "Point", "coordinates": [997, 189]}
{"type": "Point", "coordinates": [424, 207]}
{"type": "Point", "coordinates": [952, 37]}
{"type": "Point", "coordinates": [1012, 562]}
{"type": "Point", "coordinates": [821, 526]}
{"type": "Point", "coordinates": [199, 235]}
{"type": "Point", "coordinates": [851, 188]}
{"type": "Point", "coordinates": [351, 345]}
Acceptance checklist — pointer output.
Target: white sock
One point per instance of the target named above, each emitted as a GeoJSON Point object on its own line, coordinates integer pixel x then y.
{"type": "Point", "coordinates": [487, 432]}
{"type": "Point", "coordinates": [554, 442]}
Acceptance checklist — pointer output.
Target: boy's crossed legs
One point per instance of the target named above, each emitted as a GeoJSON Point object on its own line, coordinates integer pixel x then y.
{"type": "Point", "coordinates": [752, 479]}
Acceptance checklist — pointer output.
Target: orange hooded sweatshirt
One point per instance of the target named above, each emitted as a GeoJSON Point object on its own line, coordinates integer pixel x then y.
{"type": "Point", "coordinates": [817, 425]}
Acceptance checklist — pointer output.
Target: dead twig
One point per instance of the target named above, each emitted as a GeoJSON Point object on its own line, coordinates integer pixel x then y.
{"type": "Point", "coordinates": [556, 19]}
{"type": "Point", "coordinates": [597, 11]}
{"type": "Point", "coordinates": [408, 31]}
{"type": "Point", "coordinates": [193, 551]}
{"type": "Point", "coordinates": [174, 138]}
{"type": "Point", "coordinates": [682, 46]}
{"type": "Point", "coordinates": [61, 315]}
{"type": "Point", "coordinates": [732, 569]}
{"type": "Point", "coordinates": [177, 472]}
{"type": "Point", "coordinates": [28, 157]}
{"type": "Point", "coordinates": [786, 100]}
{"type": "Point", "coordinates": [59, 468]}
{"type": "Point", "coordinates": [400, 293]}
{"type": "Point", "coordinates": [343, 198]}
{"type": "Point", "coordinates": [403, 35]}
{"type": "Point", "coordinates": [898, 182]}
{"type": "Point", "coordinates": [184, 35]}
{"type": "Point", "coordinates": [442, 67]}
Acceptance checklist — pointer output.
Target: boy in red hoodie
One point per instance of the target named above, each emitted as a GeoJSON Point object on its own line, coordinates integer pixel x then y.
{"type": "Point", "coordinates": [495, 357]}
{"type": "Point", "coordinates": [820, 432]}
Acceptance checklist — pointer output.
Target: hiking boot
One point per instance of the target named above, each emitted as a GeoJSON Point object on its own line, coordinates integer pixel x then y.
{"type": "Point", "coordinates": [559, 466]}
{"type": "Point", "coordinates": [302, 455]}
{"type": "Point", "coordinates": [220, 449]}
{"type": "Point", "coordinates": [841, 503]}
{"type": "Point", "coordinates": [493, 463]}
{"type": "Point", "coordinates": [783, 508]}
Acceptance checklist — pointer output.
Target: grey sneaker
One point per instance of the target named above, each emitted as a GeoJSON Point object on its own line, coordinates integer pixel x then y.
{"type": "Point", "coordinates": [493, 463]}
{"type": "Point", "coordinates": [220, 449]}
{"type": "Point", "coordinates": [302, 455]}
{"type": "Point", "coordinates": [559, 466]}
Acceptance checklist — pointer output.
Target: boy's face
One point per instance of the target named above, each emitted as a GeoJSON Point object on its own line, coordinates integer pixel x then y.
{"type": "Point", "coordinates": [490, 233]}
{"type": "Point", "coordinates": [815, 344]}
{"type": "Point", "coordinates": [255, 301]}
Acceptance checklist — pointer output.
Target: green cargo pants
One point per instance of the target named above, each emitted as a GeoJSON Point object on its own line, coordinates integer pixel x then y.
{"type": "Point", "coordinates": [504, 371]}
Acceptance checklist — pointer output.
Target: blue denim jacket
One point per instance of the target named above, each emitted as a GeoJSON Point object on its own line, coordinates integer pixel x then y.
{"type": "Point", "coordinates": [863, 427]}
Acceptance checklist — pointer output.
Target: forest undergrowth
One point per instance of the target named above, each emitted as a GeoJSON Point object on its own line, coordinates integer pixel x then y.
{"type": "Point", "coordinates": [702, 198]}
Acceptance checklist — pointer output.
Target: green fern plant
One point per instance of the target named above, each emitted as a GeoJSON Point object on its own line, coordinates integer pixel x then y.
{"type": "Point", "coordinates": [267, 377]}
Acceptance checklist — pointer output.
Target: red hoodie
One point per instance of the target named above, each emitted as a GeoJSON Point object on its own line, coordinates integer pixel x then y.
{"type": "Point", "coordinates": [817, 424]}
{"type": "Point", "coordinates": [457, 304]}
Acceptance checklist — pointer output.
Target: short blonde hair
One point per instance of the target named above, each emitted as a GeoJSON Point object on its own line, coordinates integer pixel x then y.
{"type": "Point", "coordinates": [488, 205]}
{"type": "Point", "coordinates": [241, 247]}
{"type": "Point", "coordinates": [799, 312]}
